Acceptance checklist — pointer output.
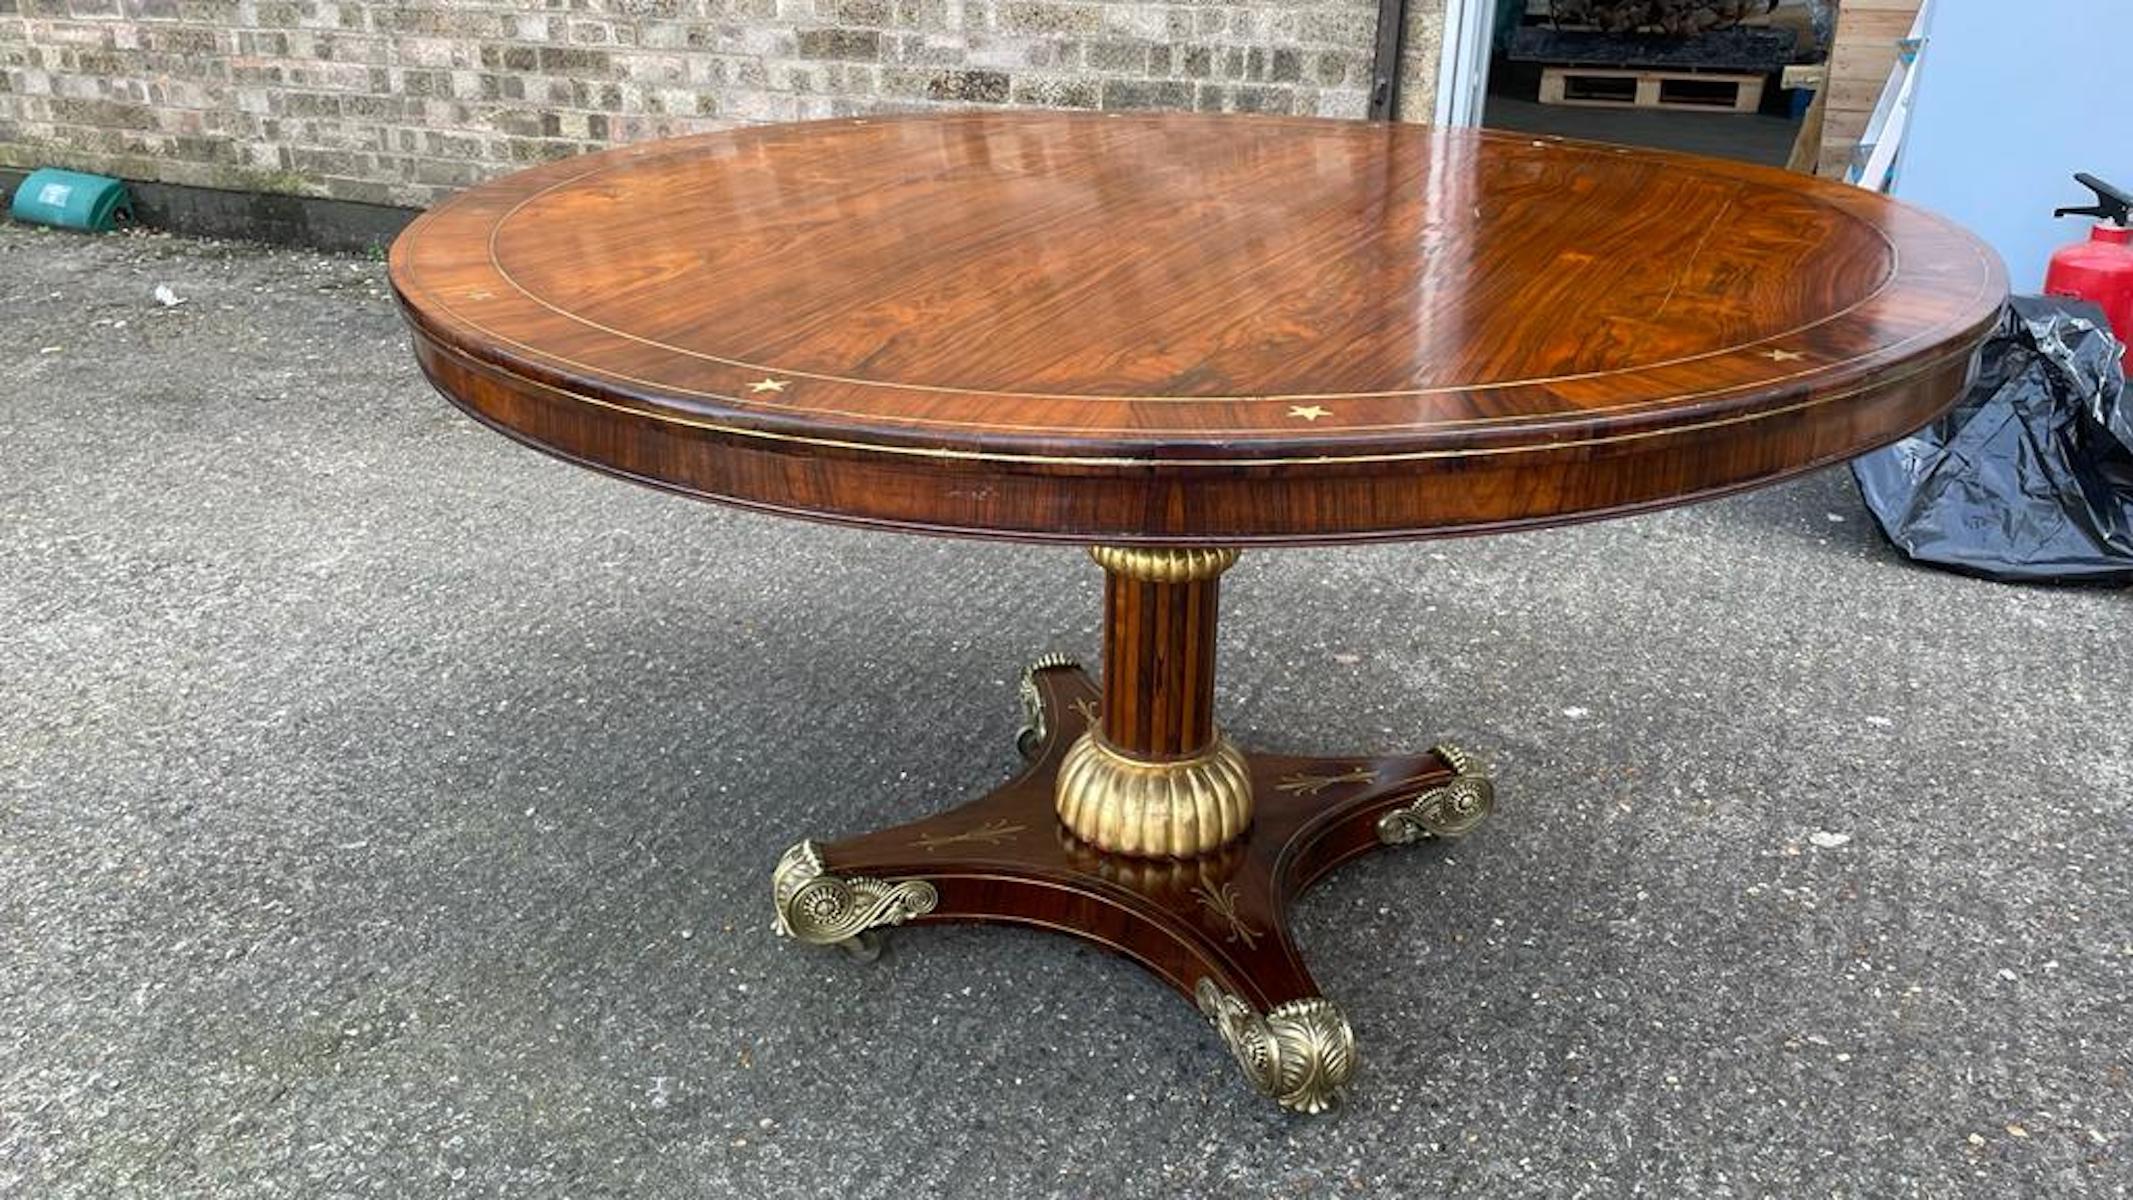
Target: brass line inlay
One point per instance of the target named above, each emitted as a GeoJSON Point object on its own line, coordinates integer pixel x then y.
{"type": "Point", "coordinates": [991, 833]}
{"type": "Point", "coordinates": [495, 230]}
{"type": "Point", "coordinates": [1174, 935]}
{"type": "Point", "coordinates": [1257, 431]}
{"type": "Point", "coordinates": [1242, 463]}
{"type": "Point", "coordinates": [1894, 271]}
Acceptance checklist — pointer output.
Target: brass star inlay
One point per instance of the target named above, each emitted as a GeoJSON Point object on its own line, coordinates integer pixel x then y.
{"type": "Point", "coordinates": [768, 385]}
{"type": "Point", "coordinates": [1783, 355]}
{"type": "Point", "coordinates": [1309, 412]}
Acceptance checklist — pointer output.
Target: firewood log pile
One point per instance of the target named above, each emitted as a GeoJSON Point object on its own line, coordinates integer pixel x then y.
{"type": "Point", "coordinates": [1679, 17]}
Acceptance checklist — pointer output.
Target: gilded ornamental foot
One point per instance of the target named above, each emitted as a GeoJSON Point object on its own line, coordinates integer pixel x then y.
{"type": "Point", "coordinates": [1301, 1054]}
{"type": "Point", "coordinates": [1447, 811]}
{"type": "Point", "coordinates": [814, 906]}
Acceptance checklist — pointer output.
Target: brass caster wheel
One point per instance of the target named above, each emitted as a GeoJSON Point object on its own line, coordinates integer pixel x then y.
{"type": "Point", "coordinates": [864, 946]}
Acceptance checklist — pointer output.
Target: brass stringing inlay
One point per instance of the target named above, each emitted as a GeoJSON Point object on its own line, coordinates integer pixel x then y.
{"type": "Point", "coordinates": [633, 155]}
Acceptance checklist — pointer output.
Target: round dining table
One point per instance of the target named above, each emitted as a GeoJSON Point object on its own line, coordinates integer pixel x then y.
{"type": "Point", "coordinates": [1168, 338]}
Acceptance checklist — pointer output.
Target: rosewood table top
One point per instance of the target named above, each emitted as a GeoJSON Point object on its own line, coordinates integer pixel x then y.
{"type": "Point", "coordinates": [1186, 329]}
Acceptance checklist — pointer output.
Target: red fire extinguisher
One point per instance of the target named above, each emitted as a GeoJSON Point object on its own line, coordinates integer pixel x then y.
{"type": "Point", "coordinates": [2100, 270]}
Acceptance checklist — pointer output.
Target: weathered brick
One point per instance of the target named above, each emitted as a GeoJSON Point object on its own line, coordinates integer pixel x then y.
{"type": "Point", "coordinates": [1146, 93]}
{"type": "Point", "coordinates": [1056, 55]}
{"type": "Point", "coordinates": [308, 104]}
{"type": "Point", "coordinates": [840, 43]}
{"type": "Point", "coordinates": [569, 60]}
{"type": "Point", "coordinates": [419, 81]}
{"type": "Point", "coordinates": [1022, 16]}
{"type": "Point", "coordinates": [1349, 26]}
{"type": "Point", "coordinates": [1116, 56]}
{"type": "Point", "coordinates": [510, 58]}
{"type": "Point", "coordinates": [862, 12]}
{"type": "Point", "coordinates": [403, 101]}
{"type": "Point", "coordinates": [985, 87]}
{"type": "Point", "coordinates": [183, 40]}
{"type": "Point", "coordinates": [1250, 98]}
{"type": "Point", "coordinates": [1041, 92]}
{"type": "Point", "coordinates": [919, 14]}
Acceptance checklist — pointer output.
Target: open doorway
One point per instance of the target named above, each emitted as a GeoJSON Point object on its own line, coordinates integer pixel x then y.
{"type": "Point", "coordinates": [1731, 78]}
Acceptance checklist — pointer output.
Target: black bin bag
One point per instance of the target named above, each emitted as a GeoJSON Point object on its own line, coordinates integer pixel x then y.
{"type": "Point", "coordinates": [2030, 475]}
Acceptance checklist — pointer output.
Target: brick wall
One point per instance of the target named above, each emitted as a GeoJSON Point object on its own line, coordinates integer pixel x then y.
{"type": "Point", "coordinates": [400, 103]}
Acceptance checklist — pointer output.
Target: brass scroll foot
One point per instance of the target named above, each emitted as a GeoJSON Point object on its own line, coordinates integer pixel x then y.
{"type": "Point", "coordinates": [1449, 811]}
{"type": "Point", "coordinates": [822, 909]}
{"type": "Point", "coordinates": [1301, 1054]}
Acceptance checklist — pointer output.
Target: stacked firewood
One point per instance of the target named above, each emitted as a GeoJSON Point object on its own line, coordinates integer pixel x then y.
{"type": "Point", "coordinates": [1656, 16]}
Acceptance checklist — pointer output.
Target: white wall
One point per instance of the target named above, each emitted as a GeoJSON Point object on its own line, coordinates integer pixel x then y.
{"type": "Point", "coordinates": [2013, 98]}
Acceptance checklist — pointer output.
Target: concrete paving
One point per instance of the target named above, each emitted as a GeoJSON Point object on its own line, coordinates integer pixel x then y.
{"type": "Point", "coordinates": [387, 811]}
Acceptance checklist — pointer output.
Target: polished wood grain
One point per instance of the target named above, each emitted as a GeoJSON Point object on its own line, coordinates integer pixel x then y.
{"type": "Point", "coordinates": [1188, 329]}
{"type": "Point", "coordinates": [1159, 666]}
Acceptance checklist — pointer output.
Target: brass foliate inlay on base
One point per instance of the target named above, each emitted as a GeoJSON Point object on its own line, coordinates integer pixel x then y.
{"type": "Point", "coordinates": [1301, 1054]}
{"type": "Point", "coordinates": [1175, 809]}
{"type": "Point", "coordinates": [814, 906]}
{"type": "Point", "coordinates": [1449, 811]}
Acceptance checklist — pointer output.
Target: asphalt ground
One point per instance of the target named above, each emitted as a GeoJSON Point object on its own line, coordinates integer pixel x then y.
{"type": "Point", "coordinates": [386, 810]}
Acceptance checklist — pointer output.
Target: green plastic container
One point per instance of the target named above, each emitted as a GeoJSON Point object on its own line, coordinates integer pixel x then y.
{"type": "Point", "coordinates": [71, 200]}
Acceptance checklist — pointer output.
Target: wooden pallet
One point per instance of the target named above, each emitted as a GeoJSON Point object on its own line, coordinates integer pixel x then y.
{"type": "Point", "coordinates": [1673, 91]}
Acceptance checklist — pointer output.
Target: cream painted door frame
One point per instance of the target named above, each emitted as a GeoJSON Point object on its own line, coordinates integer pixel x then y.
{"type": "Point", "coordinates": [1463, 66]}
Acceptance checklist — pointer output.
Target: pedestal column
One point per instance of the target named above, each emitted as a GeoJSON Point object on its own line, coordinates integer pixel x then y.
{"type": "Point", "coordinates": [1154, 776]}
